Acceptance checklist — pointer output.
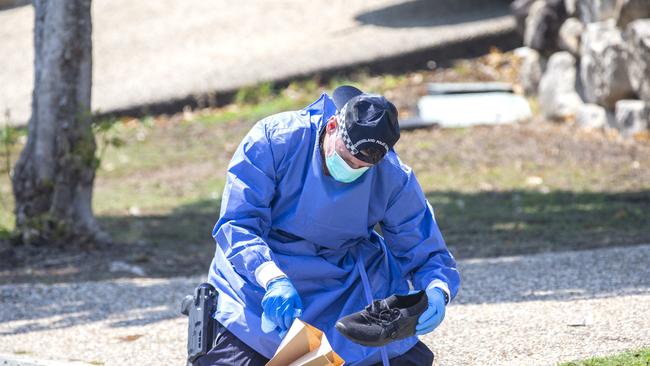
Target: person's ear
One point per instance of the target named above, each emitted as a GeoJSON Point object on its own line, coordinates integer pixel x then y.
{"type": "Point", "coordinates": [331, 124]}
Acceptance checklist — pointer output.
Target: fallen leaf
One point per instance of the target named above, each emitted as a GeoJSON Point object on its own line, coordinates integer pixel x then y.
{"type": "Point", "coordinates": [130, 338]}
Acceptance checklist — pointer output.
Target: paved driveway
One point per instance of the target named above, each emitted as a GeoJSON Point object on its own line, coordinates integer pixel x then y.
{"type": "Point", "coordinates": [148, 52]}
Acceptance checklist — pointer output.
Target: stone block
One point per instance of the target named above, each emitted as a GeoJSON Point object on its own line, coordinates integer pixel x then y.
{"type": "Point", "coordinates": [603, 65]}
{"type": "Point", "coordinates": [637, 36]}
{"type": "Point", "coordinates": [571, 7]}
{"type": "Point", "coordinates": [591, 116]}
{"type": "Point", "coordinates": [531, 67]}
{"type": "Point", "coordinates": [628, 11]}
{"type": "Point", "coordinates": [631, 117]}
{"type": "Point", "coordinates": [557, 96]}
{"type": "Point", "coordinates": [569, 35]}
{"type": "Point", "coordinates": [590, 11]}
{"type": "Point", "coordinates": [520, 10]}
{"type": "Point", "coordinates": [543, 24]}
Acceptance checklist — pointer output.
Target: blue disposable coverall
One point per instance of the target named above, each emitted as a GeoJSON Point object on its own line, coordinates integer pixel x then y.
{"type": "Point", "coordinates": [278, 205]}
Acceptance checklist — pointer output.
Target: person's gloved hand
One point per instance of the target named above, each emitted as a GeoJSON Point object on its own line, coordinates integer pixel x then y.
{"type": "Point", "coordinates": [432, 317]}
{"type": "Point", "coordinates": [281, 304]}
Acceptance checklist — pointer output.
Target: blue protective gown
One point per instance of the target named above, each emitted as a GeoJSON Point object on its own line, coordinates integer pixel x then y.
{"type": "Point", "coordinates": [278, 205]}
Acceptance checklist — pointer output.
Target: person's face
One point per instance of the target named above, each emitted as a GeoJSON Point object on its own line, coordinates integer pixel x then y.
{"type": "Point", "coordinates": [334, 141]}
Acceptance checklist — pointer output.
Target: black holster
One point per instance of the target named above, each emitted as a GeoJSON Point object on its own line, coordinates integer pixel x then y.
{"type": "Point", "coordinates": [199, 309]}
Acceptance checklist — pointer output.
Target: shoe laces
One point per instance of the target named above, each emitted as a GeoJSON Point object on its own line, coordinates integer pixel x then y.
{"type": "Point", "coordinates": [379, 312]}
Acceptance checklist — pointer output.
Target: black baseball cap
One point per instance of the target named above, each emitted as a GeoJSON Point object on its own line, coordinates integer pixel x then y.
{"type": "Point", "coordinates": [369, 122]}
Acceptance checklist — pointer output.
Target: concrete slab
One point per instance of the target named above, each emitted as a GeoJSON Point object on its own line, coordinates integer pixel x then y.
{"type": "Point", "coordinates": [469, 109]}
{"type": "Point", "coordinates": [461, 88]}
{"type": "Point", "coordinates": [151, 52]}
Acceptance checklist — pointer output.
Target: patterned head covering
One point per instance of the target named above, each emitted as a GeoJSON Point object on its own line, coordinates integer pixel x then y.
{"type": "Point", "coordinates": [368, 121]}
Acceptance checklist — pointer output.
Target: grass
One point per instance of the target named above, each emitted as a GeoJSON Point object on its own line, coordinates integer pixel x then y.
{"type": "Point", "coordinates": [515, 222]}
{"type": "Point", "coordinates": [632, 358]}
{"type": "Point", "coordinates": [496, 190]}
{"type": "Point", "coordinates": [140, 158]}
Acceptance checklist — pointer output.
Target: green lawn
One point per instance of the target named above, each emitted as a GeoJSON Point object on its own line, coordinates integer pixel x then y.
{"type": "Point", "coordinates": [632, 358]}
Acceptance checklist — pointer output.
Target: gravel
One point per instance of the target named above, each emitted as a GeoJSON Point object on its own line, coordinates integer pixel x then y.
{"type": "Point", "coordinates": [547, 308]}
{"type": "Point", "coordinates": [525, 310]}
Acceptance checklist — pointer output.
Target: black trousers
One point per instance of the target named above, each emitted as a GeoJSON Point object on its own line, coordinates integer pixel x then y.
{"type": "Point", "coordinates": [228, 350]}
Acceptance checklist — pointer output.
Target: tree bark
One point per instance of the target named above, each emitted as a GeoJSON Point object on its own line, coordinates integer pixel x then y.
{"type": "Point", "coordinates": [53, 178]}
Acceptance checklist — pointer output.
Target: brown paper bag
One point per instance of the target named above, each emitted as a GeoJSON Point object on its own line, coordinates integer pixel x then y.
{"type": "Point", "coordinates": [305, 345]}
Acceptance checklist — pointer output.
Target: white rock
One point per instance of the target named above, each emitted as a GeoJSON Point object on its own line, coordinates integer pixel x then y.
{"type": "Point", "coordinates": [520, 10]}
{"type": "Point", "coordinates": [596, 10]}
{"type": "Point", "coordinates": [543, 23]}
{"type": "Point", "coordinates": [603, 66]}
{"type": "Point", "coordinates": [119, 266]}
{"type": "Point", "coordinates": [534, 181]}
{"type": "Point", "coordinates": [558, 98]}
{"type": "Point", "coordinates": [569, 35]}
{"type": "Point", "coordinates": [134, 211]}
{"type": "Point", "coordinates": [534, 25]}
{"type": "Point", "coordinates": [637, 35]}
{"type": "Point", "coordinates": [631, 117]}
{"type": "Point", "coordinates": [630, 10]}
{"type": "Point", "coordinates": [591, 116]}
{"type": "Point", "coordinates": [571, 7]}
{"type": "Point", "coordinates": [531, 68]}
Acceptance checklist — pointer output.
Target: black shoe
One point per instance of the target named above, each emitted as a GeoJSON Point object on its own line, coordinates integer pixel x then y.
{"type": "Point", "coordinates": [384, 321]}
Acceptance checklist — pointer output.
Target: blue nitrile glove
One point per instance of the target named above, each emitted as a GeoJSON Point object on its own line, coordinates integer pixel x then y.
{"type": "Point", "coordinates": [281, 304]}
{"type": "Point", "coordinates": [268, 326]}
{"type": "Point", "coordinates": [432, 317]}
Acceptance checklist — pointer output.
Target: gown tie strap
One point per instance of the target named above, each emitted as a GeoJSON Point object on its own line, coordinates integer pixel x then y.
{"type": "Point", "coordinates": [368, 292]}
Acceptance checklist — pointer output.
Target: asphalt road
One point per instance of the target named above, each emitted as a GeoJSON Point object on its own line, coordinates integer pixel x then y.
{"type": "Point", "coordinates": [156, 52]}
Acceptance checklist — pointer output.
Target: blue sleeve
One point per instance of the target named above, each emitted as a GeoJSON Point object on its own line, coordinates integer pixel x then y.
{"type": "Point", "coordinates": [411, 232]}
{"type": "Point", "coordinates": [245, 218]}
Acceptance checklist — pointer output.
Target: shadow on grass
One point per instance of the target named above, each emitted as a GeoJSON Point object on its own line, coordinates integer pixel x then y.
{"type": "Point", "coordinates": [185, 225]}
{"type": "Point", "coordinates": [491, 224]}
{"type": "Point", "coordinates": [476, 225]}
{"type": "Point", "coordinates": [177, 243]}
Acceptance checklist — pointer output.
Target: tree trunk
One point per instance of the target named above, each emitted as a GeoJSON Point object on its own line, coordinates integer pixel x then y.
{"type": "Point", "coordinates": [53, 178]}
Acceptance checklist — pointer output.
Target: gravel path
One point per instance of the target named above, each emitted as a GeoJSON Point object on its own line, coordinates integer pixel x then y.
{"type": "Point", "coordinates": [532, 310]}
{"type": "Point", "coordinates": [155, 51]}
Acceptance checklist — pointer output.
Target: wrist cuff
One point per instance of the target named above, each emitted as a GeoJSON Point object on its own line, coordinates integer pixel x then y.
{"type": "Point", "coordinates": [443, 286]}
{"type": "Point", "coordinates": [266, 272]}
